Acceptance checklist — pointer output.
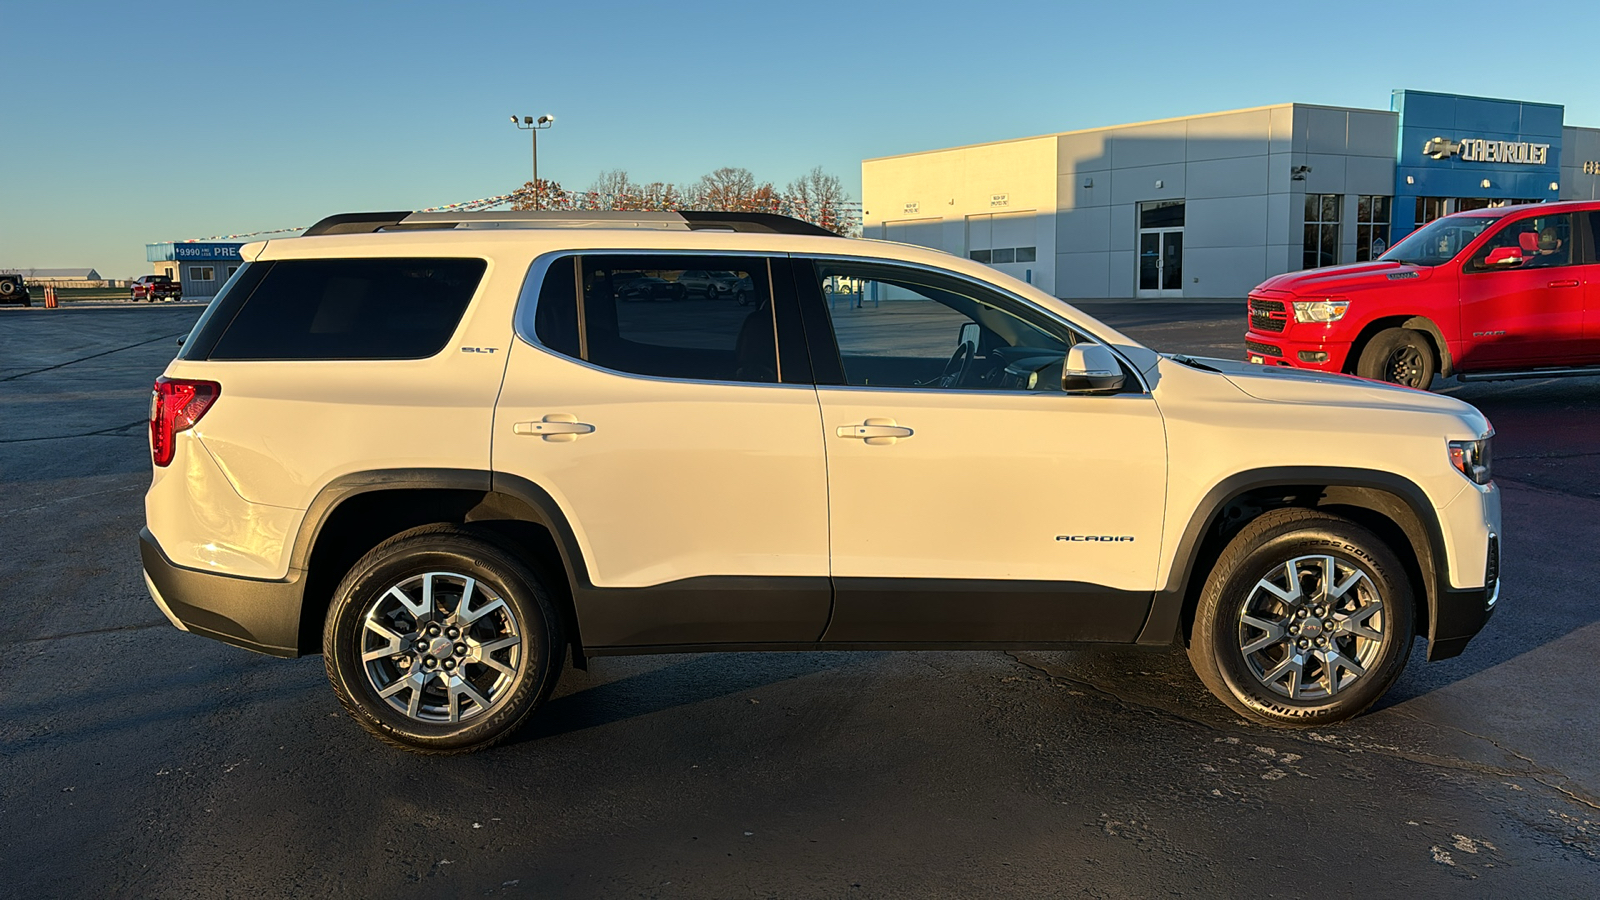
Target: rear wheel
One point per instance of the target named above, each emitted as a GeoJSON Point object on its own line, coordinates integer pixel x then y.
{"type": "Point", "coordinates": [1399, 356]}
{"type": "Point", "coordinates": [1307, 619]}
{"type": "Point", "coordinates": [438, 641]}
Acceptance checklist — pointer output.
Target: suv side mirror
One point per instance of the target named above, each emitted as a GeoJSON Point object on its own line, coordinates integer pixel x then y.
{"type": "Point", "coordinates": [1091, 368]}
{"type": "Point", "coordinates": [1504, 257]}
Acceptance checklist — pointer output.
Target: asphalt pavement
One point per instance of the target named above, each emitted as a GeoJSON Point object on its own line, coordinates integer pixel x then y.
{"type": "Point", "coordinates": [139, 761]}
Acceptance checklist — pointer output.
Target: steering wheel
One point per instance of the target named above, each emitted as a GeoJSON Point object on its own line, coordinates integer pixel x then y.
{"type": "Point", "coordinates": [955, 371]}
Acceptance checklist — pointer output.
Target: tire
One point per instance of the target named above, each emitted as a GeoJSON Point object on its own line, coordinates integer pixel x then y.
{"type": "Point", "coordinates": [1267, 684]}
{"type": "Point", "coordinates": [1399, 356]}
{"type": "Point", "coordinates": [450, 701]}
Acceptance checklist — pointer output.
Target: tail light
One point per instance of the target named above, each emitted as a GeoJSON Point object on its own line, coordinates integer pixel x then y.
{"type": "Point", "coordinates": [176, 404]}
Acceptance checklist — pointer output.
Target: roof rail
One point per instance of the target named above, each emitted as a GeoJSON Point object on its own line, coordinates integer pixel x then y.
{"type": "Point", "coordinates": [688, 220]}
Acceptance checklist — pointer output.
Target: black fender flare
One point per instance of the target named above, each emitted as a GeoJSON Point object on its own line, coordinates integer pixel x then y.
{"type": "Point", "coordinates": [1408, 507]}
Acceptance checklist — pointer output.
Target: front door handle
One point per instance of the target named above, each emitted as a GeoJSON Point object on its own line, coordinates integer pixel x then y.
{"type": "Point", "coordinates": [1563, 284]}
{"type": "Point", "coordinates": [554, 427]}
{"type": "Point", "coordinates": [875, 431]}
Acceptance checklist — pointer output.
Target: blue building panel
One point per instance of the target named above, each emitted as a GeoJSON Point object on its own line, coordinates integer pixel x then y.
{"type": "Point", "coordinates": [1473, 147]}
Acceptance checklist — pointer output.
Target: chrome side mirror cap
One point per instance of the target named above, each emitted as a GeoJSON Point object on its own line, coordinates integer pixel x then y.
{"type": "Point", "coordinates": [1091, 368]}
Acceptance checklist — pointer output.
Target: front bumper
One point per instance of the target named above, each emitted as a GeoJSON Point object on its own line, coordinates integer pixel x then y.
{"type": "Point", "coordinates": [1460, 613]}
{"type": "Point", "coordinates": [1278, 349]}
{"type": "Point", "coordinates": [258, 615]}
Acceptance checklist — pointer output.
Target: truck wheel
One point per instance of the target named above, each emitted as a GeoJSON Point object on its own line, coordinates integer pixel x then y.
{"type": "Point", "coordinates": [440, 642]}
{"type": "Point", "coordinates": [1398, 356]}
{"type": "Point", "coordinates": [1307, 619]}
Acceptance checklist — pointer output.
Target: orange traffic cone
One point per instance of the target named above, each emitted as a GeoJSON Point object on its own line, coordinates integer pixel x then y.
{"type": "Point", "coordinates": [49, 297]}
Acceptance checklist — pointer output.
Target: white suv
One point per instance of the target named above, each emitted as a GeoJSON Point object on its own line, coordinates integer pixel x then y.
{"type": "Point", "coordinates": [444, 450]}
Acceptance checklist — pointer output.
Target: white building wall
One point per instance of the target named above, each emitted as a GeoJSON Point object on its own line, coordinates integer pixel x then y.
{"type": "Point", "coordinates": [1580, 146]}
{"type": "Point", "coordinates": [927, 199]}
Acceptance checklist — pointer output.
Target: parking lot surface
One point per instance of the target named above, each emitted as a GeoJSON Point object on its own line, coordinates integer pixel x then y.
{"type": "Point", "coordinates": [139, 761]}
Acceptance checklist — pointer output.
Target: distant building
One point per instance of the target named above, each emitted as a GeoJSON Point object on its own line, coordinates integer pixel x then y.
{"type": "Point", "coordinates": [59, 277]}
{"type": "Point", "coordinates": [202, 268]}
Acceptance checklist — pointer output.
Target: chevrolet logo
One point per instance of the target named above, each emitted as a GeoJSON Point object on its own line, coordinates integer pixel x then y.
{"type": "Point", "coordinates": [1441, 148]}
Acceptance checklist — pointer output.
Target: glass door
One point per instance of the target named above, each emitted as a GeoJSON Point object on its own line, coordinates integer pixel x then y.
{"type": "Point", "coordinates": [1161, 249]}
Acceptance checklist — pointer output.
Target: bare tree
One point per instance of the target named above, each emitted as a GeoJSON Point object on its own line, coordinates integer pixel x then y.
{"type": "Point", "coordinates": [731, 189]}
{"type": "Point", "coordinates": [546, 195]}
{"type": "Point", "coordinates": [816, 197]}
{"type": "Point", "coordinates": [614, 190]}
{"type": "Point", "coordinates": [820, 198]}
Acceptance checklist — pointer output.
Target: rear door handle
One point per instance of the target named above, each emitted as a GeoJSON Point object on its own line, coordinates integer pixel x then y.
{"type": "Point", "coordinates": [554, 427]}
{"type": "Point", "coordinates": [875, 431]}
{"type": "Point", "coordinates": [1563, 284]}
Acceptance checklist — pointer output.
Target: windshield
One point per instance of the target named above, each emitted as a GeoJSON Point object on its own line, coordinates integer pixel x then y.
{"type": "Point", "coordinates": [1439, 241]}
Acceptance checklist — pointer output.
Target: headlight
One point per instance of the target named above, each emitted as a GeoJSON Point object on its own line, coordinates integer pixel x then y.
{"type": "Point", "coordinates": [1330, 310]}
{"type": "Point", "coordinates": [1473, 459]}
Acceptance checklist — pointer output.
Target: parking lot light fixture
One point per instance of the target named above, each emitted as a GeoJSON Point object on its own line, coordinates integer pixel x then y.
{"type": "Point", "coordinates": [533, 127]}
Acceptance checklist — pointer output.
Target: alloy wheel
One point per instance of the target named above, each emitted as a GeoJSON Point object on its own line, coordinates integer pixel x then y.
{"type": "Point", "coordinates": [1312, 627]}
{"type": "Point", "coordinates": [440, 647]}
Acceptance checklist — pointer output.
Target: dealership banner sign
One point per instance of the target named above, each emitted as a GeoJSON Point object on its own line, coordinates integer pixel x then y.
{"type": "Point", "coordinates": [1487, 151]}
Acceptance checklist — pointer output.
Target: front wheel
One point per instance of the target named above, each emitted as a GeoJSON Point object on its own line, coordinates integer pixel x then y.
{"type": "Point", "coordinates": [438, 641]}
{"type": "Point", "coordinates": [1398, 356]}
{"type": "Point", "coordinates": [1307, 619]}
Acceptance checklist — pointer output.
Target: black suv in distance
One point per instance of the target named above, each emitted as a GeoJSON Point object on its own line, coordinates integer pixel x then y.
{"type": "Point", "coordinates": [14, 290]}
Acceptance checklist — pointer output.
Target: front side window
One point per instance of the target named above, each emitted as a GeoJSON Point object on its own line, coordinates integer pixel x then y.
{"type": "Point", "coordinates": [907, 328]}
{"type": "Point", "coordinates": [690, 317]}
{"type": "Point", "coordinates": [1537, 242]}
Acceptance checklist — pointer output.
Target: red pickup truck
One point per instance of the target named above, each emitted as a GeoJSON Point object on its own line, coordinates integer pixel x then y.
{"type": "Point", "coordinates": [1489, 294]}
{"type": "Point", "coordinates": [156, 287]}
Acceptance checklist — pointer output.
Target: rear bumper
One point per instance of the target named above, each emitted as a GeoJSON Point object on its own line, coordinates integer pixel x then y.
{"type": "Point", "coordinates": [263, 616]}
{"type": "Point", "coordinates": [1278, 349]}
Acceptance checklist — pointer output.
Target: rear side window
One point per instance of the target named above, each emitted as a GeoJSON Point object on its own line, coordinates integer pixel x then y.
{"type": "Point", "coordinates": [691, 317]}
{"type": "Point", "coordinates": [350, 309]}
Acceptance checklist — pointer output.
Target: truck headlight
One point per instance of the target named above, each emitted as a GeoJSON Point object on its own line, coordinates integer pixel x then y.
{"type": "Point", "coordinates": [1473, 459]}
{"type": "Point", "coordinates": [1329, 310]}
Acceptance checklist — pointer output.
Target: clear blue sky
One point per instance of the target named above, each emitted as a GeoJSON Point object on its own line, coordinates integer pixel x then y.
{"type": "Point", "coordinates": [148, 122]}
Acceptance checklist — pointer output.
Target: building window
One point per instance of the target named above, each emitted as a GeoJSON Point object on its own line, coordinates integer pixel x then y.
{"type": "Point", "coordinates": [231, 270]}
{"type": "Point", "coordinates": [1430, 208]}
{"type": "Point", "coordinates": [169, 272]}
{"type": "Point", "coordinates": [202, 273]}
{"type": "Point", "coordinates": [1161, 214]}
{"type": "Point", "coordinates": [1372, 226]}
{"type": "Point", "coordinates": [1322, 230]}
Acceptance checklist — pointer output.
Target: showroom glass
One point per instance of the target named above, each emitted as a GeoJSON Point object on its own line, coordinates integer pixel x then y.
{"type": "Point", "coordinates": [906, 328]}
{"type": "Point", "coordinates": [1430, 208]}
{"type": "Point", "coordinates": [1321, 244]}
{"type": "Point", "coordinates": [1544, 242]}
{"type": "Point", "coordinates": [346, 309]}
{"type": "Point", "coordinates": [703, 318]}
{"type": "Point", "coordinates": [1439, 241]}
{"type": "Point", "coordinates": [1372, 226]}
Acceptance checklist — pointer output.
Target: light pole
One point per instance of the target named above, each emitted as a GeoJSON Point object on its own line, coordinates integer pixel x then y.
{"type": "Point", "coordinates": [533, 127]}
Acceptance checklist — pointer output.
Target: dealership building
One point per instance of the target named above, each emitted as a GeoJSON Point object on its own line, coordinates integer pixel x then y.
{"type": "Point", "coordinates": [201, 267]}
{"type": "Point", "coordinates": [1209, 206]}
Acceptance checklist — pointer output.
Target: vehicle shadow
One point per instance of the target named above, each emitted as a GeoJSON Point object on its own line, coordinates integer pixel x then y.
{"type": "Point", "coordinates": [616, 689]}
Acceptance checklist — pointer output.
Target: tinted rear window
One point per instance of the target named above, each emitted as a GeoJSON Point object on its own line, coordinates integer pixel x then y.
{"type": "Point", "coordinates": [351, 309]}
